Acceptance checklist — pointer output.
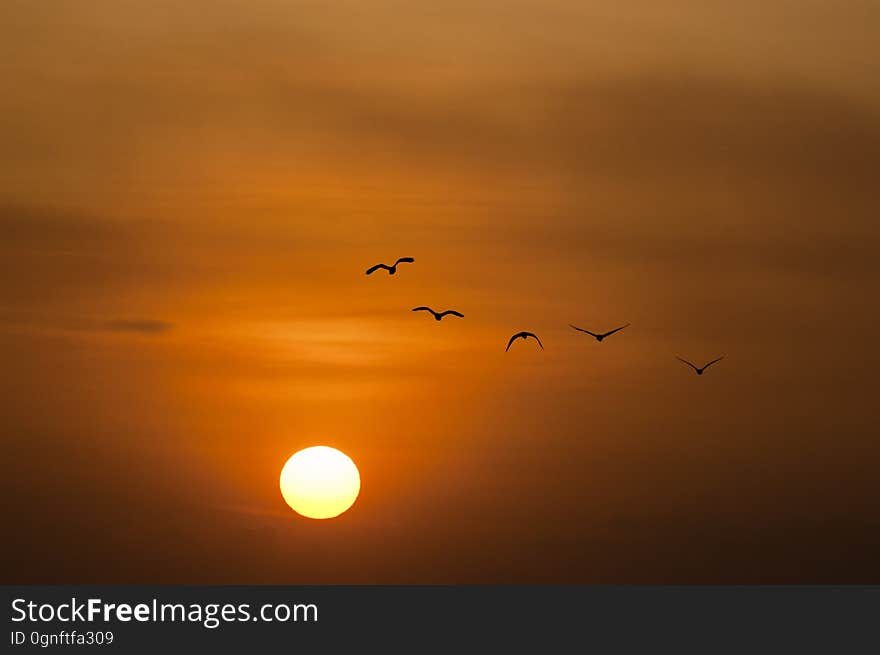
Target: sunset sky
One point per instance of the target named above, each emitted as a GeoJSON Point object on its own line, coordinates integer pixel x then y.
{"type": "Point", "coordinates": [190, 193]}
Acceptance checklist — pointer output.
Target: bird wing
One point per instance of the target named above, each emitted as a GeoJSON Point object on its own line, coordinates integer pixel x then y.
{"type": "Point", "coordinates": [687, 362]}
{"type": "Point", "coordinates": [375, 268]}
{"type": "Point", "coordinates": [712, 362]}
{"type": "Point", "coordinates": [530, 334]}
{"type": "Point", "coordinates": [592, 334]}
{"type": "Point", "coordinates": [453, 312]}
{"type": "Point", "coordinates": [423, 309]}
{"type": "Point", "coordinates": [407, 260]}
{"type": "Point", "coordinates": [512, 339]}
{"type": "Point", "coordinates": [608, 334]}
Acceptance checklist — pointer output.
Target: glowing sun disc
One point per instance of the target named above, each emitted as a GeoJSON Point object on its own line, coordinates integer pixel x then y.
{"type": "Point", "coordinates": [320, 482]}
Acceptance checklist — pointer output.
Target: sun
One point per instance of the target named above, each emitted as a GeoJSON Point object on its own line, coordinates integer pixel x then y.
{"type": "Point", "coordinates": [320, 482]}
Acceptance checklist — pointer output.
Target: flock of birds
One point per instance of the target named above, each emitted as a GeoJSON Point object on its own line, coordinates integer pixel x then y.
{"type": "Point", "coordinates": [599, 336]}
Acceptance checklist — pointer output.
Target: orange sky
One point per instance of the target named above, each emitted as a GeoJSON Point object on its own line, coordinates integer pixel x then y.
{"type": "Point", "coordinates": [189, 196]}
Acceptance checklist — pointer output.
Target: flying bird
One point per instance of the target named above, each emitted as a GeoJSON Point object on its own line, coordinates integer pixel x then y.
{"type": "Point", "coordinates": [439, 315]}
{"type": "Point", "coordinates": [703, 368]}
{"type": "Point", "coordinates": [523, 336]}
{"type": "Point", "coordinates": [599, 337]}
{"type": "Point", "coordinates": [391, 269]}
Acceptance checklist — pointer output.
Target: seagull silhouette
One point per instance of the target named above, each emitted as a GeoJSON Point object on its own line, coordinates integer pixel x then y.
{"type": "Point", "coordinates": [700, 370]}
{"type": "Point", "coordinates": [599, 337]}
{"type": "Point", "coordinates": [523, 336]}
{"type": "Point", "coordinates": [391, 269]}
{"type": "Point", "coordinates": [438, 315]}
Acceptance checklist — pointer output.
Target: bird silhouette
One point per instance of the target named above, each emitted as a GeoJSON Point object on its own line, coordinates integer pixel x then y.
{"type": "Point", "coordinates": [701, 369]}
{"type": "Point", "coordinates": [523, 336]}
{"type": "Point", "coordinates": [391, 269]}
{"type": "Point", "coordinates": [439, 315]}
{"type": "Point", "coordinates": [598, 337]}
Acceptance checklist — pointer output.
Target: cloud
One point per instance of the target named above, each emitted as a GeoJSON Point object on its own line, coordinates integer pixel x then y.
{"type": "Point", "coordinates": [142, 326]}
{"type": "Point", "coordinates": [673, 121]}
{"type": "Point", "coordinates": [44, 321]}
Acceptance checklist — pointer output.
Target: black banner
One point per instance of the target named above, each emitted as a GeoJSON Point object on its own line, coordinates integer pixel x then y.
{"type": "Point", "coordinates": [702, 619]}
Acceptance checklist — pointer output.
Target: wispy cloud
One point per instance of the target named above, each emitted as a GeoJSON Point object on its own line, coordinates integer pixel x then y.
{"type": "Point", "coordinates": [43, 321]}
{"type": "Point", "coordinates": [141, 325]}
